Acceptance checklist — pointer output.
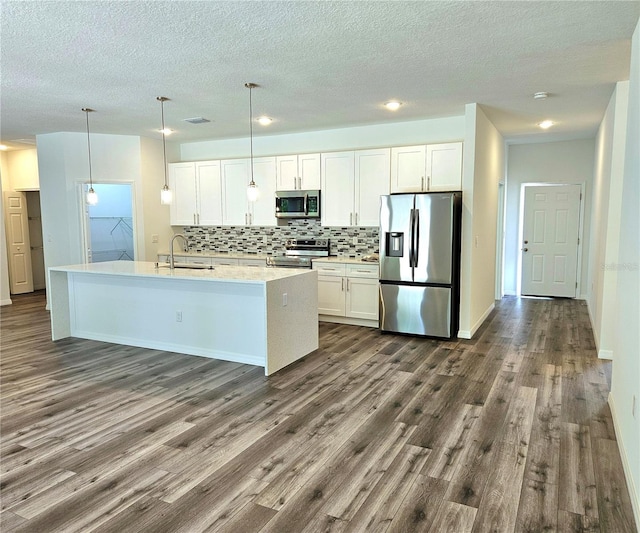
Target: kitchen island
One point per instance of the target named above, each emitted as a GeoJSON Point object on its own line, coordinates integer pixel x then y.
{"type": "Point", "coordinates": [259, 316]}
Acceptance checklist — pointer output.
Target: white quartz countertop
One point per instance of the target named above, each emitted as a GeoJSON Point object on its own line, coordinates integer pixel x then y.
{"type": "Point", "coordinates": [231, 255]}
{"type": "Point", "coordinates": [221, 273]}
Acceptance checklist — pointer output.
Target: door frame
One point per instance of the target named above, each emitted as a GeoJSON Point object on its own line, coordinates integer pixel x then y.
{"type": "Point", "coordinates": [578, 294]}
{"type": "Point", "coordinates": [85, 234]}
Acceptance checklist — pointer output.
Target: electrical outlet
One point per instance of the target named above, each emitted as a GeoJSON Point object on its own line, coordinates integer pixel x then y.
{"type": "Point", "coordinates": [354, 241]}
{"type": "Point", "coordinates": [154, 238]}
{"type": "Point", "coordinates": [178, 316]}
{"type": "Point", "coordinates": [265, 240]}
{"type": "Point", "coordinates": [284, 299]}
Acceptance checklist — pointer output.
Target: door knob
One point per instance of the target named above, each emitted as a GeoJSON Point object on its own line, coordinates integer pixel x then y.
{"type": "Point", "coordinates": [526, 242]}
{"type": "Point", "coordinates": [525, 249]}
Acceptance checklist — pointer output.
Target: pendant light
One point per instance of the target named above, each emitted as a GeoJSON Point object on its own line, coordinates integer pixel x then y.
{"type": "Point", "coordinates": [252, 189]}
{"type": "Point", "coordinates": [165, 192]}
{"type": "Point", "coordinates": [92, 197]}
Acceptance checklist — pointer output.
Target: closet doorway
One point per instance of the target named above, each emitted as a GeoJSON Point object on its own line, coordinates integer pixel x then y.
{"type": "Point", "coordinates": [109, 225]}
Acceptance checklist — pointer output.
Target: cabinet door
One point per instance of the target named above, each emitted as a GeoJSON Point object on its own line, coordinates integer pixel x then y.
{"type": "Point", "coordinates": [252, 262]}
{"type": "Point", "coordinates": [444, 167]}
{"type": "Point", "coordinates": [224, 261]}
{"type": "Point", "coordinates": [362, 298]}
{"type": "Point", "coordinates": [182, 182]}
{"type": "Point", "coordinates": [263, 210]}
{"type": "Point", "coordinates": [209, 193]}
{"type": "Point", "coordinates": [287, 172]}
{"type": "Point", "coordinates": [337, 196]}
{"type": "Point", "coordinates": [309, 171]}
{"type": "Point", "coordinates": [372, 181]}
{"type": "Point", "coordinates": [235, 178]}
{"type": "Point", "coordinates": [331, 300]}
{"type": "Point", "coordinates": [408, 168]}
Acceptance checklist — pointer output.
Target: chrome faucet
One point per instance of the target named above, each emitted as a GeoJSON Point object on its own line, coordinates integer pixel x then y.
{"type": "Point", "coordinates": [186, 241]}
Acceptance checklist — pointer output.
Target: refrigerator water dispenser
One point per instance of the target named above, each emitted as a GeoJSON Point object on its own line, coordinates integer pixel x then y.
{"type": "Point", "coordinates": [395, 244]}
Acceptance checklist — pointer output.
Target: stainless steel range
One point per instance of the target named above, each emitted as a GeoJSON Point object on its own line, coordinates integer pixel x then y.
{"type": "Point", "coordinates": [299, 252]}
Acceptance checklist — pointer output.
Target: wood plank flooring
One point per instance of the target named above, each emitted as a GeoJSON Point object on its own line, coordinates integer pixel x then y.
{"type": "Point", "coordinates": [510, 431]}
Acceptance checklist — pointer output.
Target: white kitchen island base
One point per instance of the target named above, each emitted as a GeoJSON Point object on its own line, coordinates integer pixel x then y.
{"type": "Point", "coordinates": [259, 316]}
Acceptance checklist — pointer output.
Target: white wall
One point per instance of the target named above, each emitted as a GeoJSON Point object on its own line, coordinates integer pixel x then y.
{"type": "Point", "coordinates": [63, 166]}
{"type": "Point", "coordinates": [374, 136]}
{"type": "Point", "coordinates": [5, 289]}
{"type": "Point", "coordinates": [483, 169]}
{"type": "Point", "coordinates": [556, 162]}
{"type": "Point", "coordinates": [626, 364]}
{"type": "Point", "coordinates": [605, 220]}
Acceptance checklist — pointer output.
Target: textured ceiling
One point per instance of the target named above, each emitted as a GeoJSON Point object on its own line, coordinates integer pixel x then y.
{"type": "Point", "coordinates": [319, 64]}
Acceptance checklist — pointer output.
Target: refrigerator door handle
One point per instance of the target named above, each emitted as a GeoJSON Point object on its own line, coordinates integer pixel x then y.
{"type": "Point", "coordinates": [416, 233]}
{"type": "Point", "coordinates": [411, 248]}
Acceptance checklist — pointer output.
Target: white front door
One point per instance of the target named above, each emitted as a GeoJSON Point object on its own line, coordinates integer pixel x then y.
{"type": "Point", "coordinates": [17, 225]}
{"type": "Point", "coordinates": [550, 240]}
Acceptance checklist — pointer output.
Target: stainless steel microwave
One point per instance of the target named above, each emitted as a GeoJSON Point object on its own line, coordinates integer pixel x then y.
{"type": "Point", "coordinates": [298, 204]}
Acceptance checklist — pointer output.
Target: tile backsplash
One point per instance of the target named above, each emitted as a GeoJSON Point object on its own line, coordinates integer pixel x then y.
{"type": "Point", "coordinates": [270, 239]}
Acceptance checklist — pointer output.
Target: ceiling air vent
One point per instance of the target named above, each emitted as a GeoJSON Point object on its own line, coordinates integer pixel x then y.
{"type": "Point", "coordinates": [197, 120]}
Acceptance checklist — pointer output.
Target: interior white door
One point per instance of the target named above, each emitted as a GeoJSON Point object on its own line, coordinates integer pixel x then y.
{"type": "Point", "coordinates": [17, 226]}
{"type": "Point", "coordinates": [550, 240]}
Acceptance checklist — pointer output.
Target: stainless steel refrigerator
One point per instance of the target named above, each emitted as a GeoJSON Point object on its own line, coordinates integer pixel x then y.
{"type": "Point", "coordinates": [420, 238]}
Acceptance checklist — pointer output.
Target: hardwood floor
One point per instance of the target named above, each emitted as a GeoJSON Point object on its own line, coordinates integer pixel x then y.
{"type": "Point", "coordinates": [510, 431]}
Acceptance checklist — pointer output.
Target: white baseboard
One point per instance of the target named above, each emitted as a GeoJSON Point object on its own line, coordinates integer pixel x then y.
{"type": "Point", "coordinates": [468, 334]}
{"type": "Point", "coordinates": [605, 354]}
{"type": "Point", "coordinates": [633, 491]}
{"type": "Point", "coordinates": [6, 302]}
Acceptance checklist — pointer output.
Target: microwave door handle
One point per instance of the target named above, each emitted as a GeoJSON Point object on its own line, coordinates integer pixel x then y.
{"type": "Point", "coordinates": [306, 204]}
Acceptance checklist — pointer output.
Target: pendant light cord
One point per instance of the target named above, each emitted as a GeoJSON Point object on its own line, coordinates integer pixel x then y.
{"type": "Point", "coordinates": [87, 111]}
{"type": "Point", "coordinates": [164, 144]}
{"type": "Point", "coordinates": [250, 86]}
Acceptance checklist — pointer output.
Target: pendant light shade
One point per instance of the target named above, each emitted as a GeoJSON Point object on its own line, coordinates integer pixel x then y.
{"type": "Point", "coordinates": [92, 196]}
{"type": "Point", "coordinates": [252, 189]}
{"type": "Point", "coordinates": [165, 193]}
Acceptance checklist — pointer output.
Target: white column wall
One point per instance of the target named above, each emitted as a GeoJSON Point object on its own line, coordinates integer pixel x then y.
{"type": "Point", "coordinates": [482, 171]}
{"type": "Point", "coordinates": [605, 221]}
{"type": "Point", "coordinates": [625, 386]}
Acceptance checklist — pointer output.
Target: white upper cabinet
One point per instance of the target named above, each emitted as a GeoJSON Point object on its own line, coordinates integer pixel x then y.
{"type": "Point", "coordinates": [263, 211]}
{"type": "Point", "coordinates": [197, 195]}
{"type": "Point", "coordinates": [352, 183]}
{"type": "Point", "coordinates": [408, 168]}
{"type": "Point", "coordinates": [432, 167]}
{"type": "Point", "coordinates": [236, 175]}
{"type": "Point", "coordinates": [372, 181]}
{"type": "Point", "coordinates": [338, 193]}
{"type": "Point", "coordinates": [235, 178]}
{"type": "Point", "coordinates": [298, 172]}
{"type": "Point", "coordinates": [209, 193]}
{"type": "Point", "coordinates": [444, 167]}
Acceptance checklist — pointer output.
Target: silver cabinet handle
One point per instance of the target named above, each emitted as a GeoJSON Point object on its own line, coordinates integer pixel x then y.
{"type": "Point", "coordinates": [351, 219]}
{"type": "Point", "coordinates": [422, 183]}
{"type": "Point", "coordinates": [347, 284]}
{"type": "Point", "coordinates": [356, 217]}
{"type": "Point", "coordinates": [428, 183]}
{"type": "Point", "coordinates": [245, 219]}
{"type": "Point", "coordinates": [194, 219]}
{"type": "Point", "coordinates": [342, 284]}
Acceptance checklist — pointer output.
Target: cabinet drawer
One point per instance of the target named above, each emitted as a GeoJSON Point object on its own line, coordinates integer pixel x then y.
{"type": "Point", "coordinates": [329, 269]}
{"type": "Point", "coordinates": [224, 261]}
{"type": "Point", "coordinates": [252, 262]}
{"type": "Point", "coordinates": [197, 260]}
{"type": "Point", "coordinates": [362, 271]}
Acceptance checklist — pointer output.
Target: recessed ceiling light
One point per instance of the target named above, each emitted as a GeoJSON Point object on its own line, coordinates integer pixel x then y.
{"type": "Point", "coordinates": [166, 131]}
{"type": "Point", "coordinates": [546, 124]}
{"type": "Point", "coordinates": [393, 105]}
{"type": "Point", "coordinates": [541, 95]}
{"type": "Point", "coordinates": [3, 147]}
{"type": "Point", "coordinates": [265, 121]}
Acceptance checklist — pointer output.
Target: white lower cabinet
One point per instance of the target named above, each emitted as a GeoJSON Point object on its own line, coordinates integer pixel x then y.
{"type": "Point", "coordinates": [348, 292]}
{"type": "Point", "coordinates": [252, 262]}
{"type": "Point", "coordinates": [228, 261]}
